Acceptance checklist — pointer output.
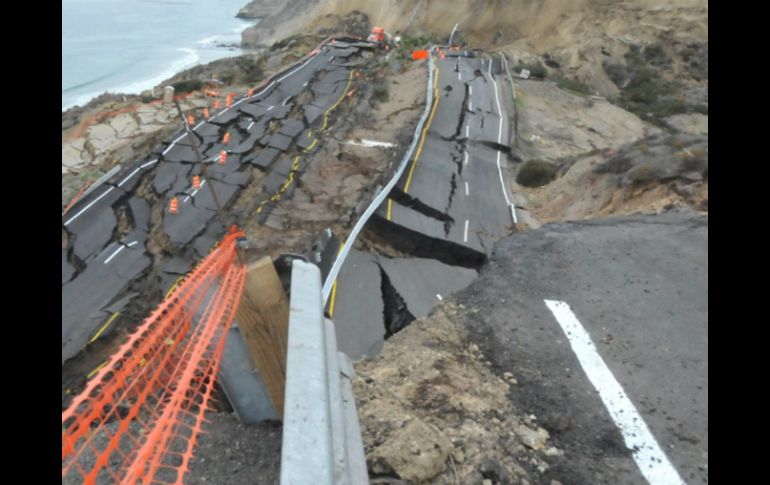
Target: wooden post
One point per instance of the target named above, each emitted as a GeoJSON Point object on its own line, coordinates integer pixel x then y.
{"type": "Point", "coordinates": [263, 318]}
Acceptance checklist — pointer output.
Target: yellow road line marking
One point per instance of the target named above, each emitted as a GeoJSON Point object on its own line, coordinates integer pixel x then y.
{"type": "Point", "coordinates": [424, 132]}
{"type": "Point", "coordinates": [326, 113]}
{"type": "Point", "coordinates": [334, 289]}
{"type": "Point", "coordinates": [93, 372]}
{"type": "Point", "coordinates": [390, 207]}
{"type": "Point", "coordinates": [104, 327]}
{"type": "Point", "coordinates": [334, 297]}
{"type": "Point", "coordinates": [290, 178]}
{"type": "Point", "coordinates": [173, 287]}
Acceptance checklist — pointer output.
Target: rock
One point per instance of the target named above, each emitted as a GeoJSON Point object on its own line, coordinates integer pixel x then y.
{"type": "Point", "coordinates": [533, 438]}
{"type": "Point", "coordinates": [493, 470]}
{"type": "Point", "coordinates": [102, 137]}
{"type": "Point", "coordinates": [458, 455]}
{"type": "Point", "coordinates": [693, 124]}
{"type": "Point", "coordinates": [553, 451]}
{"type": "Point", "coordinates": [473, 348]}
{"type": "Point", "coordinates": [70, 157]}
{"type": "Point", "coordinates": [125, 125]}
{"type": "Point", "coordinates": [416, 452]}
{"type": "Point", "coordinates": [486, 481]}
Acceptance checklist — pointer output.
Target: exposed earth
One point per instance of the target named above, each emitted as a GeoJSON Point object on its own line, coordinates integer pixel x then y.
{"type": "Point", "coordinates": [485, 389]}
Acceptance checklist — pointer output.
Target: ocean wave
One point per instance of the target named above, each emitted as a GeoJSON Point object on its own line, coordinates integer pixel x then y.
{"type": "Point", "coordinates": [190, 60]}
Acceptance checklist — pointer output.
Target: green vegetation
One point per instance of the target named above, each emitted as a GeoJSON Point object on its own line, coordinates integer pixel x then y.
{"type": "Point", "coordinates": [380, 92]}
{"type": "Point", "coordinates": [573, 85]}
{"type": "Point", "coordinates": [535, 173]}
{"type": "Point", "coordinates": [643, 89]}
{"type": "Point", "coordinates": [187, 85]}
{"type": "Point", "coordinates": [536, 69]}
{"type": "Point", "coordinates": [655, 55]}
{"type": "Point", "coordinates": [251, 69]}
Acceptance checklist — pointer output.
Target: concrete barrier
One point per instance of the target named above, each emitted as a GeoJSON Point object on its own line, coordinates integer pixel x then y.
{"type": "Point", "coordinates": [321, 434]}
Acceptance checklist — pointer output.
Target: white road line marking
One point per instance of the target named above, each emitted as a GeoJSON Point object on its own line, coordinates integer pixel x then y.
{"type": "Point", "coordinates": [149, 163]}
{"type": "Point", "coordinates": [459, 76]}
{"type": "Point", "coordinates": [131, 243]}
{"type": "Point", "coordinates": [499, 141]}
{"type": "Point", "coordinates": [132, 174]}
{"type": "Point", "coordinates": [438, 296]}
{"type": "Point", "coordinates": [466, 188]}
{"type": "Point", "coordinates": [467, 129]}
{"type": "Point", "coordinates": [649, 457]}
{"type": "Point", "coordinates": [470, 105]}
{"type": "Point", "coordinates": [173, 143]}
{"type": "Point", "coordinates": [186, 199]}
{"type": "Point", "coordinates": [465, 233]}
{"type": "Point", "coordinates": [465, 158]}
{"type": "Point", "coordinates": [250, 125]}
{"type": "Point", "coordinates": [192, 194]}
{"type": "Point", "coordinates": [295, 70]}
{"type": "Point", "coordinates": [470, 90]}
{"type": "Point", "coordinates": [286, 100]}
{"type": "Point", "coordinates": [88, 206]}
{"type": "Point", "coordinates": [121, 248]}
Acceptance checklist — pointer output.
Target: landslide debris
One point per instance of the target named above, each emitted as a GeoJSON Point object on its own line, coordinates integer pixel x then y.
{"type": "Point", "coordinates": [432, 411]}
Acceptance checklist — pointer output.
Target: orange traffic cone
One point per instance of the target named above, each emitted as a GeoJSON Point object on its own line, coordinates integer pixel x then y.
{"type": "Point", "coordinates": [229, 99]}
{"type": "Point", "coordinates": [226, 138]}
{"type": "Point", "coordinates": [222, 157]}
{"type": "Point", "coordinates": [196, 182]}
{"type": "Point", "coordinates": [205, 112]}
{"type": "Point", "coordinates": [250, 93]}
{"type": "Point", "coordinates": [173, 206]}
{"type": "Point", "coordinates": [190, 119]}
{"type": "Point", "coordinates": [217, 104]}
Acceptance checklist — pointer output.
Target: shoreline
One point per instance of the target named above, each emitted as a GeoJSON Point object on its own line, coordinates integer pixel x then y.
{"type": "Point", "coordinates": [190, 58]}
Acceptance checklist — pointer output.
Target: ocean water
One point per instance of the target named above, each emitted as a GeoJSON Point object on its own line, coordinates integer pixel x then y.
{"type": "Point", "coordinates": [128, 46]}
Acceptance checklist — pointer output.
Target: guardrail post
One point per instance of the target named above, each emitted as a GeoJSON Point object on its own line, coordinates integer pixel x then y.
{"type": "Point", "coordinates": [263, 320]}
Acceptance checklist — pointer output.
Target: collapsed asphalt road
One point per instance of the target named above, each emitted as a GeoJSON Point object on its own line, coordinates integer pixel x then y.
{"type": "Point", "coordinates": [638, 285]}
{"type": "Point", "coordinates": [121, 240]}
{"type": "Point", "coordinates": [446, 211]}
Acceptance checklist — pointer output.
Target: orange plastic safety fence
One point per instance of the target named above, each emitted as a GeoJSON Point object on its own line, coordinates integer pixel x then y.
{"type": "Point", "coordinates": [138, 419]}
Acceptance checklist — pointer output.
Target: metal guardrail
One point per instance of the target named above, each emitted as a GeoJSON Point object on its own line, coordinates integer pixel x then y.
{"type": "Point", "coordinates": [321, 434]}
{"type": "Point", "coordinates": [515, 110]}
{"type": "Point", "coordinates": [382, 194]}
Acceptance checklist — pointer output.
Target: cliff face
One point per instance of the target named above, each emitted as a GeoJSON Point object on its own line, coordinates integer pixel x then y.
{"type": "Point", "coordinates": [578, 36]}
{"type": "Point", "coordinates": [279, 19]}
{"type": "Point", "coordinates": [260, 9]}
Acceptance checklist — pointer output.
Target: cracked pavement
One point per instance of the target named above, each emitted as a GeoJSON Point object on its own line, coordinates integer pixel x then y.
{"type": "Point", "coordinates": [446, 211]}
{"type": "Point", "coordinates": [120, 240]}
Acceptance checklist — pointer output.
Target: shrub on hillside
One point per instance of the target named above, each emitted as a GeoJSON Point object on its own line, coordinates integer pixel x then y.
{"type": "Point", "coordinates": [536, 173]}
{"type": "Point", "coordinates": [187, 85]}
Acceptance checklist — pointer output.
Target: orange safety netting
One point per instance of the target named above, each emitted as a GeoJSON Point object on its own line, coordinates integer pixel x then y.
{"type": "Point", "coordinates": [138, 419]}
